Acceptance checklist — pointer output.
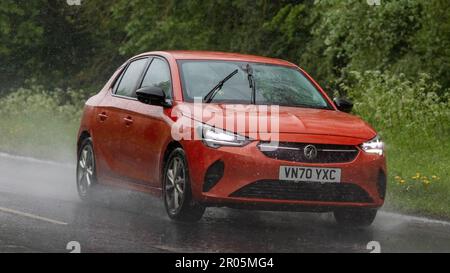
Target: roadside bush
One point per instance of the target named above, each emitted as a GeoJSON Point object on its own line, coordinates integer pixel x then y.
{"type": "Point", "coordinates": [394, 104]}
{"type": "Point", "coordinates": [415, 124]}
{"type": "Point", "coordinates": [40, 123]}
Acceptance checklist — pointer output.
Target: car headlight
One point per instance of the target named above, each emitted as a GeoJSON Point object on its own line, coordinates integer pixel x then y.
{"type": "Point", "coordinates": [373, 146]}
{"type": "Point", "coordinates": [216, 137]}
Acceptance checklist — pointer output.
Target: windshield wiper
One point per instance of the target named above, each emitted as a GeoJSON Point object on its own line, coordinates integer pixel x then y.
{"type": "Point", "coordinates": [209, 97]}
{"type": "Point", "coordinates": [251, 82]}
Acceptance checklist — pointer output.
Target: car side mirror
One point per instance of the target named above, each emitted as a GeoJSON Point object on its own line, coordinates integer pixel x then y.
{"type": "Point", "coordinates": [343, 105]}
{"type": "Point", "coordinates": [152, 95]}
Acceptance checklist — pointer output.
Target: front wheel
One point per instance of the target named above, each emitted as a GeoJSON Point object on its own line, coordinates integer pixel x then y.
{"type": "Point", "coordinates": [177, 193]}
{"type": "Point", "coordinates": [355, 217]}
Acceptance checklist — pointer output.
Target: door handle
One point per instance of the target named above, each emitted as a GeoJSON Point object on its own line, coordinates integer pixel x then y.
{"type": "Point", "coordinates": [128, 121]}
{"type": "Point", "coordinates": [103, 116]}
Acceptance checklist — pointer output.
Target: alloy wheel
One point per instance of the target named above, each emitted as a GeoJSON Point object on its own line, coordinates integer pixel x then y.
{"type": "Point", "coordinates": [85, 170]}
{"type": "Point", "coordinates": [175, 184]}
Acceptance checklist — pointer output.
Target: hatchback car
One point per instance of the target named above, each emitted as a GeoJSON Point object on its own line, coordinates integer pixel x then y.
{"type": "Point", "coordinates": [166, 123]}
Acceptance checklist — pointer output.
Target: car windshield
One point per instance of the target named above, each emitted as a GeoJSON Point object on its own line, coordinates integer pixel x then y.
{"type": "Point", "coordinates": [275, 84]}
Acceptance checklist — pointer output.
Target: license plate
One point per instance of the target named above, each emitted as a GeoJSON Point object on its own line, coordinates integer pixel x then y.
{"type": "Point", "coordinates": [310, 174]}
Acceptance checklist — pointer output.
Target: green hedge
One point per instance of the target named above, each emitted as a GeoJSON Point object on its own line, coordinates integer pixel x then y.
{"type": "Point", "coordinates": [415, 123]}
{"type": "Point", "coordinates": [40, 123]}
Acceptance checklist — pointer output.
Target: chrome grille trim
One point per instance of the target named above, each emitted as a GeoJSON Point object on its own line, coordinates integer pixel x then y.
{"type": "Point", "coordinates": [293, 151]}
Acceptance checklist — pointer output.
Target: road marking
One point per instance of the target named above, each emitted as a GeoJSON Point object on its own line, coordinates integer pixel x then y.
{"type": "Point", "coordinates": [32, 216]}
{"type": "Point", "coordinates": [35, 160]}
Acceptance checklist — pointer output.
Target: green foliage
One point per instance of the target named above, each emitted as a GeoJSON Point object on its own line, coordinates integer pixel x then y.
{"type": "Point", "coordinates": [401, 36]}
{"type": "Point", "coordinates": [78, 46]}
{"type": "Point", "coordinates": [40, 123]}
{"type": "Point", "coordinates": [288, 32]}
{"type": "Point", "coordinates": [431, 45]}
{"type": "Point", "coordinates": [199, 25]}
{"type": "Point", "coordinates": [56, 44]}
{"type": "Point", "coordinates": [415, 123]}
{"type": "Point", "coordinates": [20, 37]}
{"type": "Point", "coordinates": [27, 102]}
{"type": "Point", "coordinates": [393, 103]}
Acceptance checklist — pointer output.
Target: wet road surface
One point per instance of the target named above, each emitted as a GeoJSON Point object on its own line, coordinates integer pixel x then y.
{"type": "Point", "coordinates": [40, 212]}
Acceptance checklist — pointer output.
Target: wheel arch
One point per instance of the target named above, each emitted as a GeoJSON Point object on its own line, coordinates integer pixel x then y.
{"type": "Point", "coordinates": [83, 135]}
{"type": "Point", "coordinates": [169, 148]}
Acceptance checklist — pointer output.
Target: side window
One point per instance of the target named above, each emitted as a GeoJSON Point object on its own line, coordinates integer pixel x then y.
{"type": "Point", "coordinates": [116, 83]}
{"type": "Point", "coordinates": [158, 75]}
{"type": "Point", "coordinates": [130, 78]}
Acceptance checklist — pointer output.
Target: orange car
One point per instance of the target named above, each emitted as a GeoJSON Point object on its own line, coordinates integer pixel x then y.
{"type": "Point", "coordinates": [218, 129]}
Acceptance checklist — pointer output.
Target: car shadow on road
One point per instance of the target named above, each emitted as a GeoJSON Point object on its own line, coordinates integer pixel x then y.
{"type": "Point", "coordinates": [221, 229]}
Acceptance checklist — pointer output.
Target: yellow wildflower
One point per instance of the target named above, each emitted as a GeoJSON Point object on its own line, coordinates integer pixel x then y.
{"type": "Point", "coordinates": [426, 183]}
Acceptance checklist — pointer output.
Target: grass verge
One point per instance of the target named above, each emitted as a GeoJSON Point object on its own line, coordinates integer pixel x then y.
{"type": "Point", "coordinates": [419, 171]}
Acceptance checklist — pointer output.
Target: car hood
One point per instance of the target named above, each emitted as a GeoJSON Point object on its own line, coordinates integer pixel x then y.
{"type": "Point", "coordinates": [292, 120]}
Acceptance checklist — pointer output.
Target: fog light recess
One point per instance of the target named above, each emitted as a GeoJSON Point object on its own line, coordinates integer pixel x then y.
{"type": "Point", "coordinates": [213, 175]}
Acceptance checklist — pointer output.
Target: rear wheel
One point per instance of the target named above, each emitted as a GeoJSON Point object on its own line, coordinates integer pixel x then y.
{"type": "Point", "coordinates": [355, 217]}
{"type": "Point", "coordinates": [177, 192]}
{"type": "Point", "coordinates": [86, 175]}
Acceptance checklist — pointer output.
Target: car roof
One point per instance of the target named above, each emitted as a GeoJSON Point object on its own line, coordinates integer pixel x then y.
{"type": "Point", "coordinates": [223, 56]}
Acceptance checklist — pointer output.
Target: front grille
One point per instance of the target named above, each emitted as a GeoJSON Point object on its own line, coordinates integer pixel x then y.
{"type": "Point", "coordinates": [305, 191]}
{"type": "Point", "coordinates": [326, 153]}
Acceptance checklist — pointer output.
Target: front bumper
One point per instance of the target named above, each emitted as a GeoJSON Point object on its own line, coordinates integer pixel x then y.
{"type": "Point", "coordinates": [250, 179]}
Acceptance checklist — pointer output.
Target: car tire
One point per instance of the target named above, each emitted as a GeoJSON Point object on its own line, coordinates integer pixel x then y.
{"type": "Point", "coordinates": [177, 192]}
{"type": "Point", "coordinates": [86, 175]}
{"type": "Point", "coordinates": [355, 217]}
